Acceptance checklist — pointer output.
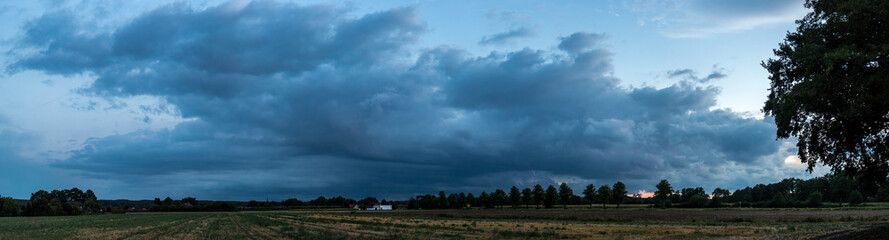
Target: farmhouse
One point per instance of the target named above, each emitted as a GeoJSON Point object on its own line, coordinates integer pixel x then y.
{"type": "Point", "coordinates": [380, 207]}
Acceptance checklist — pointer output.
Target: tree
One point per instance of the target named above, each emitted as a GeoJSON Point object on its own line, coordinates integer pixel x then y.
{"type": "Point", "coordinates": [662, 195]}
{"type": "Point", "coordinates": [720, 193]}
{"type": "Point", "coordinates": [515, 197]}
{"type": "Point", "coordinates": [619, 192]}
{"type": "Point", "coordinates": [527, 196]}
{"type": "Point", "coordinates": [814, 200]}
{"type": "Point", "coordinates": [551, 196]}
{"type": "Point", "coordinates": [604, 193]}
{"type": "Point", "coordinates": [687, 193]}
{"type": "Point", "coordinates": [589, 193]}
{"type": "Point", "coordinates": [498, 197]}
{"type": "Point", "coordinates": [855, 198]}
{"type": "Point", "coordinates": [8, 207]}
{"type": "Point", "coordinates": [830, 85]}
{"type": "Point", "coordinates": [471, 199]}
{"type": "Point", "coordinates": [538, 195]}
{"type": "Point", "coordinates": [696, 201]}
{"type": "Point", "coordinates": [442, 200]}
{"type": "Point", "coordinates": [565, 194]}
{"type": "Point", "coordinates": [485, 200]}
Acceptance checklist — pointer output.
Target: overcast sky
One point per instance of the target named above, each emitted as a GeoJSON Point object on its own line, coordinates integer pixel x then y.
{"type": "Point", "coordinates": [239, 100]}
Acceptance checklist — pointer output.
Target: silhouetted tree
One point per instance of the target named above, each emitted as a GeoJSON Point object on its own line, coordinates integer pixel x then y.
{"type": "Point", "coordinates": [549, 199]}
{"type": "Point", "coordinates": [663, 193]}
{"type": "Point", "coordinates": [499, 197]}
{"type": "Point", "coordinates": [565, 194]}
{"type": "Point", "coordinates": [589, 193]}
{"type": "Point", "coordinates": [604, 194]}
{"type": "Point", "coordinates": [619, 192]}
{"type": "Point", "coordinates": [515, 197]}
{"type": "Point", "coordinates": [527, 197]}
{"type": "Point", "coordinates": [538, 195]}
{"type": "Point", "coordinates": [829, 88]}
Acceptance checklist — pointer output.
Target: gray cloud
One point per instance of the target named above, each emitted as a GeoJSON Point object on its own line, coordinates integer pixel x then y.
{"type": "Point", "coordinates": [693, 76]}
{"type": "Point", "coordinates": [580, 41]}
{"type": "Point", "coordinates": [303, 100]}
{"type": "Point", "coordinates": [506, 37]}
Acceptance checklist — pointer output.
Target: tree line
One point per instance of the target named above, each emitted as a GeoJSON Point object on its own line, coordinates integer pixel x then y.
{"type": "Point", "coordinates": [63, 202]}
{"type": "Point", "coordinates": [790, 192]}
{"type": "Point", "coordinates": [190, 204]}
{"type": "Point", "coordinates": [536, 196]}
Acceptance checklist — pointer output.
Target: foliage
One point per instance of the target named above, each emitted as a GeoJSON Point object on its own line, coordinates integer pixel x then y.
{"type": "Point", "coordinates": [619, 193]}
{"type": "Point", "coordinates": [589, 194]}
{"type": "Point", "coordinates": [538, 195]}
{"type": "Point", "coordinates": [515, 197]}
{"type": "Point", "coordinates": [190, 204]}
{"type": "Point", "coordinates": [549, 199]}
{"type": "Point", "coordinates": [565, 194]}
{"type": "Point", "coordinates": [814, 200]}
{"type": "Point", "coordinates": [62, 202]}
{"type": "Point", "coordinates": [527, 196]}
{"type": "Point", "coordinates": [855, 198]}
{"type": "Point", "coordinates": [696, 201]}
{"type": "Point", "coordinates": [604, 194]}
{"type": "Point", "coordinates": [830, 88]}
{"type": "Point", "coordinates": [778, 201]}
{"type": "Point", "coordinates": [663, 193]}
{"type": "Point", "coordinates": [8, 207]}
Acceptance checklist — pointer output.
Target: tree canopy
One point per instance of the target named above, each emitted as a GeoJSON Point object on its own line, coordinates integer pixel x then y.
{"type": "Point", "coordinates": [830, 88]}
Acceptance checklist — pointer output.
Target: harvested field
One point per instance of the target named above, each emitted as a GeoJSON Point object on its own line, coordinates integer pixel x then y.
{"type": "Point", "coordinates": [460, 224]}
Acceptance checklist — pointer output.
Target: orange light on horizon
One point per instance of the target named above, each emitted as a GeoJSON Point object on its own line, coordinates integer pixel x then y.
{"type": "Point", "coordinates": [643, 194]}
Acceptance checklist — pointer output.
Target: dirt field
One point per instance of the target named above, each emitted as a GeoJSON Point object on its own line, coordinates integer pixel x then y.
{"type": "Point", "coordinates": [461, 224]}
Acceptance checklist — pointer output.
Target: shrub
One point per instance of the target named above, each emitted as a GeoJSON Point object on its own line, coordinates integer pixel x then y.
{"type": "Point", "coordinates": [8, 207]}
{"type": "Point", "coordinates": [778, 201]}
{"type": "Point", "coordinates": [696, 201]}
{"type": "Point", "coordinates": [814, 200]}
{"type": "Point", "coordinates": [855, 198]}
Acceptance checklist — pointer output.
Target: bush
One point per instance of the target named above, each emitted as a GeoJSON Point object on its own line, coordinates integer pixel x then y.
{"type": "Point", "coordinates": [696, 201]}
{"type": "Point", "coordinates": [855, 198]}
{"type": "Point", "coordinates": [8, 207]}
{"type": "Point", "coordinates": [778, 201]}
{"type": "Point", "coordinates": [814, 200]}
{"type": "Point", "coordinates": [715, 203]}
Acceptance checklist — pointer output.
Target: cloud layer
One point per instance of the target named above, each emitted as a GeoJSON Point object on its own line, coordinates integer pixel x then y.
{"type": "Point", "coordinates": [291, 100]}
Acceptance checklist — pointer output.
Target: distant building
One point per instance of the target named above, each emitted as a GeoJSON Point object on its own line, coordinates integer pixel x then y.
{"type": "Point", "coordinates": [382, 207]}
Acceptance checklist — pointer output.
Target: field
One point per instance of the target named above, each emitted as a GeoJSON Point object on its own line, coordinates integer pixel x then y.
{"type": "Point", "coordinates": [575, 223]}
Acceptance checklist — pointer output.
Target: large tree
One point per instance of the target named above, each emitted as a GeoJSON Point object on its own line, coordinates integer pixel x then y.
{"type": "Point", "coordinates": [662, 195]}
{"type": "Point", "coordinates": [527, 196]}
{"type": "Point", "coordinates": [589, 193]}
{"type": "Point", "coordinates": [538, 195]}
{"type": "Point", "coordinates": [830, 88]}
{"type": "Point", "coordinates": [549, 199]}
{"type": "Point", "coordinates": [515, 197]}
{"type": "Point", "coordinates": [565, 194]}
{"type": "Point", "coordinates": [619, 193]}
{"type": "Point", "coordinates": [604, 193]}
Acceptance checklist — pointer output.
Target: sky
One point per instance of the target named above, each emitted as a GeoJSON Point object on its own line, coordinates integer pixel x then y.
{"type": "Point", "coordinates": [240, 100]}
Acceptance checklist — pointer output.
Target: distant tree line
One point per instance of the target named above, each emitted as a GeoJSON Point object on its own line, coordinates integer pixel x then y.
{"type": "Point", "coordinates": [191, 204]}
{"type": "Point", "coordinates": [790, 192]}
{"type": "Point", "coordinates": [537, 196]}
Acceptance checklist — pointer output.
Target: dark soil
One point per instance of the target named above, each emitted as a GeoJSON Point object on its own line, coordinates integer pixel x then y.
{"type": "Point", "coordinates": [656, 215]}
{"type": "Point", "coordinates": [876, 232]}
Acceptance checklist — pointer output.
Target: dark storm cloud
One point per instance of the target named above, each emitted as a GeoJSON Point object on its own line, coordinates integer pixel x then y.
{"type": "Point", "coordinates": [506, 37]}
{"type": "Point", "coordinates": [304, 100]}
